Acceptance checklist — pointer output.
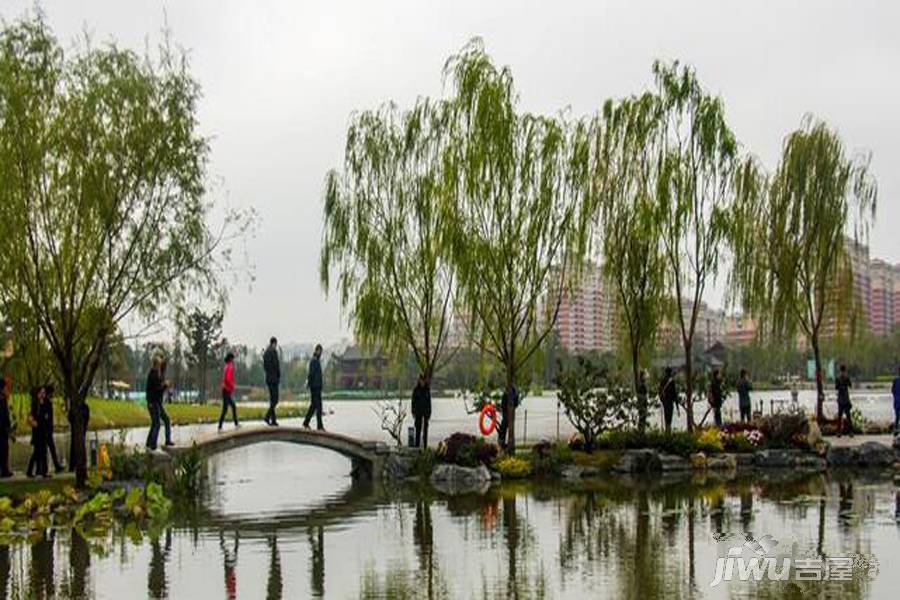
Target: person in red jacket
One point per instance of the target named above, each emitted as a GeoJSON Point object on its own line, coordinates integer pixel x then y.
{"type": "Point", "coordinates": [228, 391]}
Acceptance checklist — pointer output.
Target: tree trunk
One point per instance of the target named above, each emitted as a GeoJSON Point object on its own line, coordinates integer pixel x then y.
{"type": "Point", "coordinates": [79, 427]}
{"type": "Point", "coordinates": [820, 385]}
{"type": "Point", "coordinates": [510, 416]}
{"type": "Point", "coordinates": [689, 387]}
{"type": "Point", "coordinates": [642, 399]}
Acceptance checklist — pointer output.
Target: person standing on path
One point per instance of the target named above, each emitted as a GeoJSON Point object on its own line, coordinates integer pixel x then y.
{"type": "Point", "coordinates": [715, 397]}
{"type": "Point", "coordinates": [314, 383]}
{"type": "Point", "coordinates": [743, 389]}
{"type": "Point", "coordinates": [843, 384]}
{"type": "Point", "coordinates": [155, 389]}
{"type": "Point", "coordinates": [48, 435]}
{"type": "Point", "coordinates": [895, 391]}
{"type": "Point", "coordinates": [228, 391]}
{"type": "Point", "coordinates": [37, 419]}
{"type": "Point", "coordinates": [272, 367]}
{"type": "Point", "coordinates": [5, 430]}
{"type": "Point", "coordinates": [668, 395]}
{"type": "Point", "coordinates": [421, 410]}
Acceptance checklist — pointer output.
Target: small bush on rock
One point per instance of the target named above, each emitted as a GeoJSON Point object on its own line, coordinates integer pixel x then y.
{"type": "Point", "coordinates": [467, 450]}
{"type": "Point", "coordinates": [513, 467]}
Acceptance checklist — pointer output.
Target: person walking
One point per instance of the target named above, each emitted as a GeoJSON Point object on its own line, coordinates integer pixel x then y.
{"type": "Point", "coordinates": [715, 397]}
{"type": "Point", "coordinates": [51, 445]}
{"type": "Point", "coordinates": [163, 414]}
{"type": "Point", "coordinates": [5, 430]}
{"type": "Point", "coordinates": [421, 410]}
{"type": "Point", "coordinates": [156, 389]}
{"type": "Point", "coordinates": [668, 396]}
{"type": "Point", "coordinates": [314, 383]}
{"type": "Point", "coordinates": [743, 387]}
{"type": "Point", "coordinates": [843, 384]}
{"type": "Point", "coordinates": [37, 418]}
{"type": "Point", "coordinates": [272, 367]}
{"type": "Point", "coordinates": [228, 391]}
{"type": "Point", "coordinates": [895, 391]}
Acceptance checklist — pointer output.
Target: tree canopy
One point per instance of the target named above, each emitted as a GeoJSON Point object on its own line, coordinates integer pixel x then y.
{"type": "Point", "coordinates": [386, 231]}
{"type": "Point", "coordinates": [103, 212]}
{"type": "Point", "coordinates": [794, 235]}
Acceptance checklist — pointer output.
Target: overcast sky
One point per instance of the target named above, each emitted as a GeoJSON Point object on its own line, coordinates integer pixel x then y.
{"type": "Point", "coordinates": [281, 77]}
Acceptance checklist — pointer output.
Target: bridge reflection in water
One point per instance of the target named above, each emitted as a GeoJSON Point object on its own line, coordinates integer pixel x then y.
{"type": "Point", "coordinates": [611, 537]}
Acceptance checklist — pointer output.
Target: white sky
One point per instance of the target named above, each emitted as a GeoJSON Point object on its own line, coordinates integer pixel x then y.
{"type": "Point", "coordinates": [281, 77]}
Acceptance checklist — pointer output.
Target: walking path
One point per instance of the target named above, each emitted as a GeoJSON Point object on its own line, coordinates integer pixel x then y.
{"type": "Point", "coordinates": [858, 440]}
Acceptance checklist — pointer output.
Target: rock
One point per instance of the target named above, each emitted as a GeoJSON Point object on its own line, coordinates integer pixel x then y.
{"type": "Point", "coordinates": [813, 434]}
{"type": "Point", "coordinates": [673, 462]}
{"type": "Point", "coordinates": [591, 472]}
{"type": "Point", "coordinates": [875, 454]}
{"type": "Point", "coordinates": [810, 462]}
{"type": "Point", "coordinates": [454, 480]}
{"type": "Point", "coordinates": [638, 461]}
{"type": "Point", "coordinates": [744, 460]}
{"type": "Point", "coordinates": [698, 461]}
{"type": "Point", "coordinates": [398, 466]}
{"type": "Point", "coordinates": [775, 458]}
{"type": "Point", "coordinates": [571, 472]}
{"type": "Point", "coordinates": [842, 456]}
{"type": "Point", "coordinates": [721, 462]}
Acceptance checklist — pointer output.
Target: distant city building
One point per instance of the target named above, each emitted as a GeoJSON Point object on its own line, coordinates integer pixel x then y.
{"type": "Point", "coordinates": [710, 327]}
{"type": "Point", "coordinates": [587, 315]}
{"type": "Point", "coordinates": [356, 368]}
{"type": "Point", "coordinates": [876, 288]}
{"type": "Point", "coordinates": [740, 330]}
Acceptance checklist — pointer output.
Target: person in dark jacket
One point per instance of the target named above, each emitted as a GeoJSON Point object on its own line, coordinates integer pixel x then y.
{"type": "Point", "coordinates": [716, 398]}
{"type": "Point", "coordinates": [51, 445]}
{"type": "Point", "coordinates": [843, 384]}
{"type": "Point", "coordinates": [421, 410]}
{"type": "Point", "coordinates": [154, 395]}
{"type": "Point", "coordinates": [38, 418]}
{"type": "Point", "coordinates": [314, 383]}
{"type": "Point", "coordinates": [5, 430]}
{"type": "Point", "coordinates": [272, 367]}
{"type": "Point", "coordinates": [743, 387]}
{"type": "Point", "coordinates": [668, 396]}
{"type": "Point", "coordinates": [510, 398]}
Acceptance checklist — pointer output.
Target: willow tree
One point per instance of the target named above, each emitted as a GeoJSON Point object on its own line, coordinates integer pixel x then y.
{"type": "Point", "coordinates": [386, 232]}
{"type": "Point", "coordinates": [102, 214]}
{"type": "Point", "coordinates": [792, 263]}
{"type": "Point", "coordinates": [521, 216]}
{"type": "Point", "coordinates": [695, 192]}
{"type": "Point", "coordinates": [633, 260]}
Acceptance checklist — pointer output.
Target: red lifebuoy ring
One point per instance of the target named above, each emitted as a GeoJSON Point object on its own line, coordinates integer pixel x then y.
{"type": "Point", "coordinates": [491, 413]}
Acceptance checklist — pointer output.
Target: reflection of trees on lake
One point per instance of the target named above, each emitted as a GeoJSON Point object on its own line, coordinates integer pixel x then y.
{"type": "Point", "coordinates": [5, 571]}
{"type": "Point", "coordinates": [275, 585]}
{"type": "Point", "coordinates": [316, 536]}
{"type": "Point", "coordinates": [157, 582]}
{"type": "Point", "coordinates": [40, 580]}
{"type": "Point", "coordinates": [79, 565]}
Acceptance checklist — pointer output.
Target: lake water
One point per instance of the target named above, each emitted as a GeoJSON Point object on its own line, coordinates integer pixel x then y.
{"type": "Point", "coordinates": [279, 520]}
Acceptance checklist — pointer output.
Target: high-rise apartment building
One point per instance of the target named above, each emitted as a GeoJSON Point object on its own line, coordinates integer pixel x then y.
{"type": "Point", "coordinates": [876, 287]}
{"type": "Point", "coordinates": [587, 314]}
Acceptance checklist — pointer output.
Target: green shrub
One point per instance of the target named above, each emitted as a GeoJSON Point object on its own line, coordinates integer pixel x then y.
{"type": "Point", "coordinates": [513, 467]}
{"type": "Point", "coordinates": [188, 468]}
{"type": "Point", "coordinates": [423, 463]}
{"type": "Point", "coordinates": [467, 450]}
{"type": "Point", "coordinates": [547, 458]}
{"type": "Point", "coordinates": [782, 429]}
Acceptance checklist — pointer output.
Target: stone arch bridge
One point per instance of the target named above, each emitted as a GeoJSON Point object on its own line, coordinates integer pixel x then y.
{"type": "Point", "coordinates": [367, 458]}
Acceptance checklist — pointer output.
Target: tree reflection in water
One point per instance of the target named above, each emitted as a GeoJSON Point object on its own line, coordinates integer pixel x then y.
{"type": "Point", "coordinates": [157, 583]}
{"type": "Point", "coordinates": [5, 572]}
{"type": "Point", "coordinates": [40, 580]}
{"type": "Point", "coordinates": [316, 535]}
{"type": "Point", "coordinates": [275, 585]}
{"type": "Point", "coordinates": [79, 566]}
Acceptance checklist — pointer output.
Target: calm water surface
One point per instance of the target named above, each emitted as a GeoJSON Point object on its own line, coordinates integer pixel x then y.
{"type": "Point", "coordinates": [286, 521]}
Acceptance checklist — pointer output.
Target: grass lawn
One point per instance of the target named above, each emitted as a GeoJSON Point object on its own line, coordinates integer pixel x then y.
{"type": "Point", "coordinates": [119, 414]}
